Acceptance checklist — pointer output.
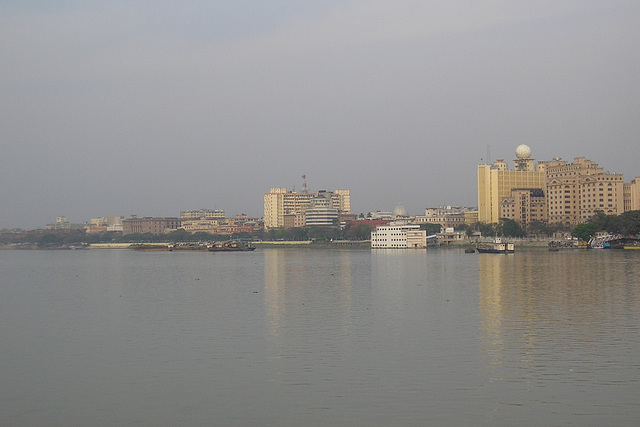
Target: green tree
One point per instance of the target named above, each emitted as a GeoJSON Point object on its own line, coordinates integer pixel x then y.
{"type": "Point", "coordinates": [50, 239]}
{"type": "Point", "coordinates": [357, 231]}
{"type": "Point", "coordinates": [511, 228]}
{"type": "Point", "coordinates": [538, 228]}
{"type": "Point", "coordinates": [487, 229]}
{"type": "Point", "coordinates": [464, 228]}
{"type": "Point", "coordinates": [431, 228]}
{"type": "Point", "coordinates": [323, 233]}
{"type": "Point", "coordinates": [630, 223]}
{"type": "Point", "coordinates": [584, 231]}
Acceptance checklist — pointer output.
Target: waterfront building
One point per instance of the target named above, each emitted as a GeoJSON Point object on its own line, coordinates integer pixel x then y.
{"type": "Point", "coordinates": [279, 202]}
{"type": "Point", "coordinates": [222, 226]}
{"type": "Point", "coordinates": [207, 225]}
{"type": "Point", "coordinates": [294, 220]}
{"type": "Point", "coordinates": [62, 224]}
{"type": "Point", "coordinates": [202, 214]}
{"type": "Point", "coordinates": [572, 192]}
{"type": "Point", "coordinates": [448, 236]}
{"type": "Point", "coordinates": [104, 224]}
{"type": "Point", "coordinates": [576, 191]}
{"type": "Point", "coordinates": [320, 213]}
{"type": "Point", "coordinates": [631, 195]}
{"type": "Point", "coordinates": [525, 206]}
{"type": "Point", "coordinates": [446, 216]}
{"type": "Point", "coordinates": [135, 225]}
{"type": "Point", "coordinates": [344, 219]}
{"type": "Point", "coordinates": [471, 217]}
{"type": "Point", "coordinates": [496, 182]}
{"type": "Point", "coordinates": [398, 236]}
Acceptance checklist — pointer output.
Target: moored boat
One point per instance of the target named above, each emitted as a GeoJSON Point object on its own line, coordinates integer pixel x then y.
{"type": "Point", "coordinates": [231, 246]}
{"type": "Point", "coordinates": [188, 247]}
{"type": "Point", "coordinates": [497, 247]}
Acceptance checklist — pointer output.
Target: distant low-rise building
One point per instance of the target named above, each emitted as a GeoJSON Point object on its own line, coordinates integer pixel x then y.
{"type": "Point", "coordinates": [448, 236]}
{"type": "Point", "coordinates": [105, 224]}
{"type": "Point", "coordinates": [62, 224]}
{"type": "Point", "coordinates": [206, 225]}
{"type": "Point", "coordinates": [159, 225]}
{"type": "Point", "coordinates": [222, 226]}
{"type": "Point", "coordinates": [381, 216]}
{"type": "Point", "coordinates": [446, 216]}
{"type": "Point", "coordinates": [202, 214]}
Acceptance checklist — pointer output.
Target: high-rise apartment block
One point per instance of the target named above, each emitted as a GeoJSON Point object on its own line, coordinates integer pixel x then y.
{"type": "Point", "coordinates": [554, 191]}
{"type": "Point", "coordinates": [525, 206]}
{"type": "Point", "coordinates": [576, 191]}
{"type": "Point", "coordinates": [280, 204]}
{"type": "Point", "coordinates": [496, 183]}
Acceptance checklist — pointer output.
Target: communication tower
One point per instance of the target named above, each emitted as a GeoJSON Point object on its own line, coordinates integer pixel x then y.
{"type": "Point", "coordinates": [304, 184]}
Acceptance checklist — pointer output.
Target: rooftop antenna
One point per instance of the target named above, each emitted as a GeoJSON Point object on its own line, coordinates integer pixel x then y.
{"type": "Point", "coordinates": [304, 184]}
{"type": "Point", "coordinates": [488, 154]}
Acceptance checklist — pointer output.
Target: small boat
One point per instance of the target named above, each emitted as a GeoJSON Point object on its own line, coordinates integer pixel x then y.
{"type": "Point", "coordinates": [188, 247]}
{"type": "Point", "coordinates": [497, 247]}
{"type": "Point", "coordinates": [232, 246]}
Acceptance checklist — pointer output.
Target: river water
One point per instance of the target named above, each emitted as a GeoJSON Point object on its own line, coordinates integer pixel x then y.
{"type": "Point", "coordinates": [318, 337]}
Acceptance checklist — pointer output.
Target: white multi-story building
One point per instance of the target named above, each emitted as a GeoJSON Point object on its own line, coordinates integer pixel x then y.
{"type": "Point", "coordinates": [398, 236]}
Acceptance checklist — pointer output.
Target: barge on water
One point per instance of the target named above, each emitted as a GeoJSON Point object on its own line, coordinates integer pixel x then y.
{"type": "Point", "coordinates": [497, 247]}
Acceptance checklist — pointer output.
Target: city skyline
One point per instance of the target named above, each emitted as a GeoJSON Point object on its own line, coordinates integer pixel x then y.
{"type": "Point", "coordinates": [150, 108]}
{"type": "Point", "coordinates": [305, 191]}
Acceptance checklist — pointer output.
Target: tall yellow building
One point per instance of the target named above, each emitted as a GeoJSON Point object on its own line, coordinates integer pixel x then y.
{"type": "Point", "coordinates": [631, 196]}
{"type": "Point", "coordinates": [496, 183]}
{"type": "Point", "coordinates": [572, 192]}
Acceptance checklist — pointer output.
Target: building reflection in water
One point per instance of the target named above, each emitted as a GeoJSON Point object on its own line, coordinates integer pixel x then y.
{"type": "Point", "coordinates": [299, 292]}
{"type": "Point", "coordinates": [395, 275]}
{"type": "Point", "coordinates": [540, 308]}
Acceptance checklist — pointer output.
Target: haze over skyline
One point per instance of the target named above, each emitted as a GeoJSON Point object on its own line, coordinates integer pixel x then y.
{"type": "Point", "coordinates": [149, 108]}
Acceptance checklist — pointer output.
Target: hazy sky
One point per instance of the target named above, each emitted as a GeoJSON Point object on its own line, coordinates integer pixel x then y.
{"type": "Point", "coordinates": [153, 107]}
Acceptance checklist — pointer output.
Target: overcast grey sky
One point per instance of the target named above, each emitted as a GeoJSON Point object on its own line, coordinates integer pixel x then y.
{"type": "Point", "coordinates": [152, 107]}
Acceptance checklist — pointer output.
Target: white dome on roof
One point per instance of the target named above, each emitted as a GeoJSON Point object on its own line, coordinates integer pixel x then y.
{"type": "Point", "coordinates": [523, 152]}
{"type": "Point", "coordinates": [399, 210]}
